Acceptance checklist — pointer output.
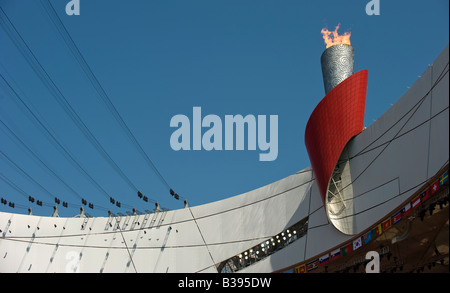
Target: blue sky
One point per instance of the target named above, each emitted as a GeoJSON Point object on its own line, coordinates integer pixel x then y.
{"type": "Point", "coordinates": [157, 59]}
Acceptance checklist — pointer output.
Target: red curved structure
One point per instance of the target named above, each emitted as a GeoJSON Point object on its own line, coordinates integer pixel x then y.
{"type": "Point", "coordinates": [335, 120]}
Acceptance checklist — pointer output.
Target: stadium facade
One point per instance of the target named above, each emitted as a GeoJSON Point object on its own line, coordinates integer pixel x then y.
{"type": "Point", "coordinates": [383, 188]}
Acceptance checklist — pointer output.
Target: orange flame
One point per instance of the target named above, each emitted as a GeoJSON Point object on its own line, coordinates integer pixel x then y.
{"type": "Point", "coordinates": [333, 38]}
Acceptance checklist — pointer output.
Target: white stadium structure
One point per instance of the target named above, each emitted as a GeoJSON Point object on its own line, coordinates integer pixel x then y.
{"type": "Point", "coordinates": [394, 208]}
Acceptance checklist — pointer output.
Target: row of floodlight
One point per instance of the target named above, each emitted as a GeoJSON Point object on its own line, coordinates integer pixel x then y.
{"type": "Point", "coordinates": [265, 248]}
{"type": "Point", "coordinates": [269, 246]}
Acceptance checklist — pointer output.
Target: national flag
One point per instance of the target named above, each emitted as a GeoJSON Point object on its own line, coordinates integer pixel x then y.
{"type": "Point", "coordinates": [416, 202]}
{"type": "Point", "coordinates": [367, 237]}
{"type": "Point", "coordinates": [443, 178]}
{"type": "Point", "coordinates": [397, 217]}
{"type": "Point", "coordinates": [425, 195]}
{"type": "Point", "coordinates": [346, 249]}
{"type": "Point", "coordinates": [300, 269]}
{"type": "Point", "coordinates": [324, 259]}
{"type": "Point", "coordinates": [312, 265]}
{"type": "Point", "coordinates": [434, 187]}
{"type": "Point", "coordinates": [406, 209]}
{"type": "Point", "coordinates": [377, 231]}
{"type": "Point", "coordinates": [387, 224]}
{"type": "Point", "coordinates": [357, 243]}
{"type": "Point", "coordinates": [335, 254]}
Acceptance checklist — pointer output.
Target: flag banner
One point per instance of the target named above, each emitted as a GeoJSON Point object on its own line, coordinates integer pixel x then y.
{"type": "Point", "coordinates": [425, 195]}
{"type": "Point", "coordinates": [444, 178]}
{"type": "Point", "coordinates": [397, 217]}
{"type": "Point", "coordinates": [324, 259]}
{"type": "Point", "coordinates": [335, 254]}
{"type": "Point", "coordinates": [300, 269]}
{"type": "Point", "coordinates": [312, 265]}
{"type": "Point", "coordinates": [416, 202]}
{"type": "Point", "coordinates": [387, 224]}
{"type": "Point", "coordinates": [434, 187]}
{"type": "Point", "coordinates": [377, 231]}
{"type": "Point", "coordinates": [406, 209]}
{"type": "Point", "coordinates": [357, 243]}
{"type": "Point", "coordinates": [367, 237]}
{"type": "Point", "coordinates": [346, 249]}
{"type": "Point", "coordinates": [374, 233]}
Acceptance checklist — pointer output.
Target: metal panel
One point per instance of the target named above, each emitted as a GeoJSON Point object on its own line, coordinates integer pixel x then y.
{"type": "Point", "coordinates": [337, 64]}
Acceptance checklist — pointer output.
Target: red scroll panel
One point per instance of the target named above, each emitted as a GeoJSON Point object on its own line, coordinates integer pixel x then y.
{"type": "Point", "coordinates": [335, 120]}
